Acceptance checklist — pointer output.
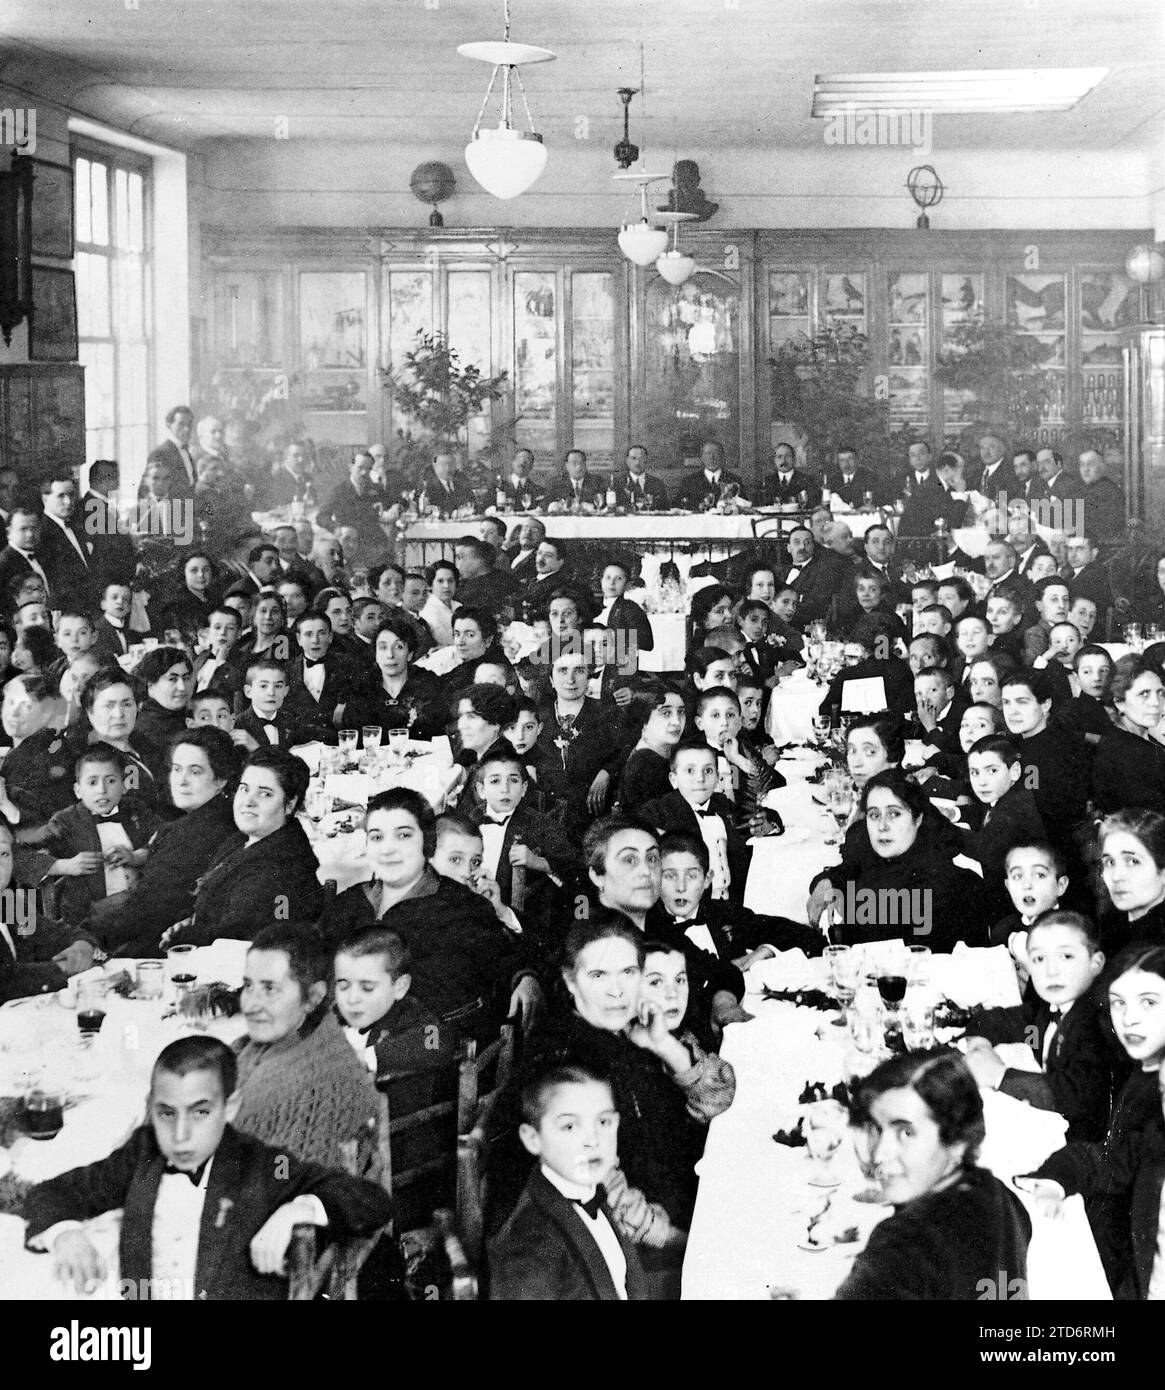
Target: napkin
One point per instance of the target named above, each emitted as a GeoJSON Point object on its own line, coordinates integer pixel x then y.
{"type": "Point", "coordinates": [973, 975]}
{"type": "Point", "coordinates": [223, 960]}
{"type": "Point", "coordinates": [1019, 1137]}
{"type": "Point", "coordinates": [310, 753]}
{"type": "Point", "coordinates": [788, 970]}
{"type": "Point", "coordinates": [353, 787]}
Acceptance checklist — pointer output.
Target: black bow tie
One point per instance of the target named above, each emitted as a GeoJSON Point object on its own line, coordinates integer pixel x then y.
{"type": "Point", "coordinates": [703, 815]}
{"type": "Point", "coordinates": [195, 1177]}
{"type": "Point", "coordinates": [268, 723]}
{"type": "Point", "coordinates": [593, 1205]}
{"type": "Point", "coordinates": [114, 818]}
{"type": "Point", "coordinates": [364, 1032]}
{"type": "Point", "coordinates": [313, 661]}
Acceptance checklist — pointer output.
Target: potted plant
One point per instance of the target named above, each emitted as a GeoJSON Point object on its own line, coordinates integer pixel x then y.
{"type": "Point", "coordinates": [817, 387]}
{"type": "Point", "coordinates": [438, 397]}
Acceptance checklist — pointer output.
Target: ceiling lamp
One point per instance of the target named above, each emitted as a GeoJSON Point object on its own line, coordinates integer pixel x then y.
{"type": "Point", "coordinates": [674, 265]}
{"type": "Point", "coordinates": [639, 241]}
{"type": "Point", "coordinates": [505, 161]}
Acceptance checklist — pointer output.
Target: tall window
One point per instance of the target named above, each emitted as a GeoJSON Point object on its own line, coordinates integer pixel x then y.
{"type": "Point", "coordinates": [114, 302]}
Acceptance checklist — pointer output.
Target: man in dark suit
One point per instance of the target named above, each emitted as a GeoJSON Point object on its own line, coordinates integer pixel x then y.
{"type": "Point", "coordinates": [1058, 485]}
{"type": "Point", "coordinates": [1102, 500]}
{"type": "Point", "coordinates": [561, 1243]}
{"type": "Point", "coordinates": [523, 560]}
{"type": "Point", "coordinates": [574, 486]}
{"type": "Point", "coordinates": [851, 483]}
{"type": "Point", "coordinates": [820, 577]}
{"type": "Point", "coordinates": [521, 489]}
{"type": "Point", "coordinates": [711, 480]}
{"type": "Point", "coordinates": [638, 487]}
{"type": "Point", "coordinates": [995, 476]}
{"type": "Point", "coordinates": [1027, 475]}
{"type": "Point", "coordinates": [66, 550]}
{"type": "Point", "coordinates": [292, 480]}
{"type": "Point", "coordinates": [114, 559]}
{"type": "Point", "coordinates": [441, 485]}
{"type": "Point", "coordinates": [788, 483]}
{"type": "Point", "coordinates": [1087, 577]}
{"type": "Point", "coordinates": [879, 546]}
{"type": "Point", "coordinates": [226, 1238]}
{"type": "Point", "coordinates": [921, 493]}
{"type": "Point", "coordinates": [174, 452]}
{"type": "Point", "coordinates": [353, 503]}
{"type": "Point", "coordinates": [580, 745]}
{"type": "Point", "coordinates": [22, 556]}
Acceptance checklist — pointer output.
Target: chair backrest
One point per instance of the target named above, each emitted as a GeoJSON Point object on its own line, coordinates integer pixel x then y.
{"type": "Point", "coordinates": [339, 1266]}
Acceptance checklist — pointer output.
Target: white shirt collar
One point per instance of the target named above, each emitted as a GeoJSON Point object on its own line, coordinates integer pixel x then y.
{"type": "Point", "coordinates": [574, 1191]}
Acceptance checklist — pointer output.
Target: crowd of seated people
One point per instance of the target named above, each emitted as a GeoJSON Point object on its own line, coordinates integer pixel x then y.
{"type": "Point", "coordinates": [587, 875]}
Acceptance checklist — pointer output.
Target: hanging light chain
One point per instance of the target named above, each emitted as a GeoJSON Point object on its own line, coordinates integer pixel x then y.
{"type": "Point", "coordinates": [485, 102]}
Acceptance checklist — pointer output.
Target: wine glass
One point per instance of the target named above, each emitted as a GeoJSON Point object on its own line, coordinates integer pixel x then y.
{"type": "Point", "coordinates": [317, 802]}
{"type": "Point", "coordinates": [917, 1020]}
{"type": "Point", "coordinates": [180, 969]}
{"type": "Point", "coordinates": [918, 965]}
{"type": "Point", "coordinates": [347, 743]}
{"type": "Point", "coordinates": [863, 1148]}
{"type": "Point", "coordinates": [843, 977]}
{"type": "Point", "coordinates": [824, 1130]}
{"type": "Point", "coordinates": [822, 724]}
{"type": "Point", "coordinates": [370, 734]}
{"type": "Point", "coordinates": [839, 797]}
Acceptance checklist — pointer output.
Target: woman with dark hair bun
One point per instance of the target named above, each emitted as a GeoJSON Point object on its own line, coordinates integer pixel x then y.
{"type": "Point", "coordinates": [168, 675]}
{"type": "Point", "coordinates": [955, 1225]}
{"type": "Point", "coordinates": [1132, 867]}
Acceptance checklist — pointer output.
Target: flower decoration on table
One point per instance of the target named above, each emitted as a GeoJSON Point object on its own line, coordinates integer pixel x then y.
{"type": "Point", "coordinates": [820, 1234]}
{"type": "Point", "coordinates": [665, 591]}
{"type": "Point", "coordinates": [215, 1000]}
{"type": "Point", "coordinates": [814, 1091]}
{"type": "Point", "coordinates": [803, 998]}
{"type": "Point", "coordinates": [792, 1138]}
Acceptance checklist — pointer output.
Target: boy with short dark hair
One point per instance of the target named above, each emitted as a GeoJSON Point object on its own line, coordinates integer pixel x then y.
{"type": "Point", "coordinates": [560, 1243]}
{"type": "Point", "coordinates": [215, 666]}
{"type": "Point", "coordinates": [112, 637]}
{"type": "Point", "coordinates": [1010, 815]}
{"type": "Point", "coordinates": [211, 707]}
{"type": "Point", "coordinates": [1063, 1022]}
{"type": "Point", "coordinates": [208, 1212]}
{"type": "Point", "coordinates": [265, 721]}
{"type": "Point", "coordinates": [97, 845]}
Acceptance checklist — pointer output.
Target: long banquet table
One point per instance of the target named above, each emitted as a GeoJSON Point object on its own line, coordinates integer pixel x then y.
{"type": "Point", "coordinates": [755, 1201]}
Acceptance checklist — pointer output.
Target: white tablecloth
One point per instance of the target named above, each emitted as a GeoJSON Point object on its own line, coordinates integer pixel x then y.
{"type": "Point", "coordinates": [755, 1201]}
{"type": "Point", "coordinates": [792, 705]}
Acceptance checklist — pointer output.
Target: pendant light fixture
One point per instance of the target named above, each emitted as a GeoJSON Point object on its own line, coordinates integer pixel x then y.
{"type": "Point", "coordinates": [504, 160]}
{"type": "Point", "coordinates": [639, 241]}
{"type": "Point", "coordinates": [673, 264]}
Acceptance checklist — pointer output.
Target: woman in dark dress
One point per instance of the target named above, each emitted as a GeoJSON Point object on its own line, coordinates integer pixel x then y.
{"type": "Point", "coordinates": [267, 871]}
{"type": "Point", "coordinates": [168, 675]}
{"type": "Point", "coordinates": [203, 766]}
{"type": "Point", "coordinates": [404, 697]}
{"type": "Point", "coordinates": [184, 597]}
{"type": "Point", "coordinates": [956, 1229]}
{"type": "Point", "coordinates": [111, 702]}
{"type": "Point", "coordinates": [1132, 866]}
{"type": "Point", "coordinates": [1130, 764]}
{"type": "Point", "coordinates": [662, 716]}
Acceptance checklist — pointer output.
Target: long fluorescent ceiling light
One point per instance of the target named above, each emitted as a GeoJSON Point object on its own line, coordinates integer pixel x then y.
{"type": "Point", "coordinates": [1001, 89]}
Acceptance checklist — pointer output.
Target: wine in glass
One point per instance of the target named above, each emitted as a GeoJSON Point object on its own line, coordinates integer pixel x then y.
{"type": "Point", "coordinates": [91, 996]}
{"type": "Point", "coordinates": [180, 968]}
{"type": "Point", "coordinates": [822, 724]}
{"type": "Point", "coordinates": [843, 977]}
{"type": "Point", "coordinates": [347, 744]}
{"type": "Point", "coordinates": [917, 1020]}
{"type": "Point", "coordinates": [370, 734]}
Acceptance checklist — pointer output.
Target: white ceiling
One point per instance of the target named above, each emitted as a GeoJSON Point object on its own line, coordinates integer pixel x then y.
{"type": "Point", "coordinates": [723, 72]}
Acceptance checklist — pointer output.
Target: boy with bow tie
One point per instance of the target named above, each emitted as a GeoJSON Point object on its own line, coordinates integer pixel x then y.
{"type": "Point", "coordinates": [560, 1243]}
{"type": "Point", "coordinates": [209, 1212]}
{"type": "Point", "coordinates": [97, 845]}
{"type": "Point", "coordinates": [264, 721]}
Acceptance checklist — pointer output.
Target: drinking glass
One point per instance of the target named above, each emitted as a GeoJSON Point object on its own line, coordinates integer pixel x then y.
{"type": "Point", "coordinates": [317, 802]}
{"type": "Point", "coordinates": [346, 743]}
{"type": "Point", "coordinates": [44, 1111]}
{"type": "Point", "coordinates": [180, 968]}
{"type": "Point", "coordinates": [370, 734]}
{"type": "Point", "coordinates": [824, 1130]}
{"type": "Point", "coordinates": [150, 979]}
{"type": "Point", "coordinates": [843, 977]}
{"type": "Point", "coordinates": [864, 1151]}
{"type": "Point", "coordinates": [917, 1021]}
{"type": "Point", "coordinates": [821, 727]}
{"type": "Point", "coordinates": [398, 742]}
{"type": "Point", "coordinates": [839, 797]}
{"type": "Point", "coordinates": [918, 965]}
{"type": "Point", "coordinates": [818, 630]}
{"type": "Point", "coordinates": [91, 997]}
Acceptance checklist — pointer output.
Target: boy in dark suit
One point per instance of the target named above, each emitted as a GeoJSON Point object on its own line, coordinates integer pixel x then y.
{"type": "Point", "coordinates": [1063, 1023]}
{"type": "Point", "coordinates": [560, 1244]}
{"type": "Point", "coordinates": [265, 720]}
{"type": "Point", "coordinates": [113, 637]}
{"type": "Point", "coordinates": [96, 846]}
{"type": "Point", "coordinates": [322, 679]}
{"type": "Point", "coordinates": [217, 667]}
{"type": "Point", "coordinates": [516, 837]}
{"type": "Point", "coordinates": [1011, 816]}
{"type": "Point", "coordinates": [188, 1171]}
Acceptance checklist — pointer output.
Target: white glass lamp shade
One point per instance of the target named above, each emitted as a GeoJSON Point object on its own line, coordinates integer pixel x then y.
{"type": "Point", "coordinates": [1145, 264]}
{"type": "Point", "coordinates": [642, 243]}
{"type": "Point", "coordinates": [506, 162]}
{"type": "Point", "coordinates": [675, 267]}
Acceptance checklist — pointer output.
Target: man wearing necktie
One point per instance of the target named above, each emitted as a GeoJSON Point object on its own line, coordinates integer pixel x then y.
{"type": "Point", "coordinates": [21, 556]}
{"type": "Point", "coordinates": [65, 549]}
{"type": "Point", "coordinates": [788, 483]}
{"type": "Point", "coordinates": [441, 485]}
{"type": "Point", "coordinates": [639, 485]}
{"type": "Point", "coordinates": [710, 481]}
{"type": "Point", "coordinates": [996, 475]}
{"type": "Point", "coordinates": [574, 486]}
{"type": "Point", "coordinates": [174, 452]}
